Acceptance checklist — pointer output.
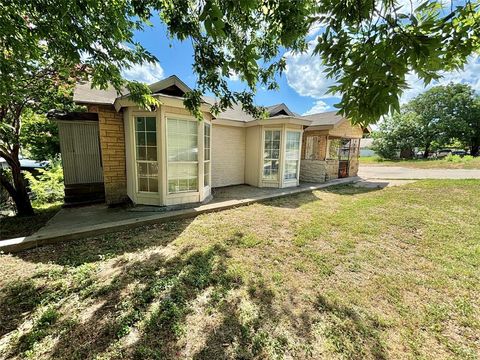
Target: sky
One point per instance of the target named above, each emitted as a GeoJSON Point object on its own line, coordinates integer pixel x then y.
{"type": "Point", "coordinates": [303, 86]}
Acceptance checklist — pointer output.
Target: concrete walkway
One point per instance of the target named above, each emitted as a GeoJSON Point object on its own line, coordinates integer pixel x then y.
{"type": "Point", "coordinates": [81, 222]}
{"type": "Point", "coordinates": [397, 172]}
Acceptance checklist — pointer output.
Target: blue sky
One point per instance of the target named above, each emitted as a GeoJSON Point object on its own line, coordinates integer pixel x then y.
{"type": "Point", "coordinates": [303, 86]}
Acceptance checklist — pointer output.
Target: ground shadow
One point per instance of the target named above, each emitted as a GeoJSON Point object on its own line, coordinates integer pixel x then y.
{"type": "Point", "coordinates": [81, 251]}
{"type": "Point", "coordinates": [301, 199]}
{"type": "Point", "coordinates": [352, 334]}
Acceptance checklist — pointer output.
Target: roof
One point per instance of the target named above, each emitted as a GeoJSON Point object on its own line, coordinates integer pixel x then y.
{"type": "Point", "coordinates": [330, 118]}
{"type": "Point", "coordinates": [174, 87]}
{"type": "Point", "coordinates": [84, 94]}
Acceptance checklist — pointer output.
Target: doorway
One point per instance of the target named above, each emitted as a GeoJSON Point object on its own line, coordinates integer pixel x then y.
{"type": "Point", "coordinates": [344, 158]}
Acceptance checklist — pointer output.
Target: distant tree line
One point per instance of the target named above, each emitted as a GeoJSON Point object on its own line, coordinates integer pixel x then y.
{"type": "Point", "coordinates": [444, 116]}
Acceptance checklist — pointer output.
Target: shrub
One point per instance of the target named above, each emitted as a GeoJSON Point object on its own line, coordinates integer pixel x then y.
{"type": "Point", "coordinates": [458, 158]}
{"type": "Point", "coordinates": [47, 187]}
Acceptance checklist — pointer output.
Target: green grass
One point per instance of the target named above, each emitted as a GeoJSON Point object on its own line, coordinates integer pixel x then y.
{"type": "Point", "coordinates": [452, 163]}
{"type": "Point", "coordinates": [18, 226]}
{"type": "Point", "coordinates": [345, 273]}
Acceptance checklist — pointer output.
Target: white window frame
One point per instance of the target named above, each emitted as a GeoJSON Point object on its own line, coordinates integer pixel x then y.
{"type": "Point", "coordinates": [197, 162]}
{"type": "Point", "coordinates": [209, 161]}
{"type": "Point", "coordinates": [136, 161]}
{"type": "Point", "coordinates": [287, 130]}
{"type": "Point", "coordinates": [279, 172]}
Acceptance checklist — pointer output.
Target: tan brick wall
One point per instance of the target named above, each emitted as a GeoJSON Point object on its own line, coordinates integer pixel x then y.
{"type": "Point", "coordinates": [318, 148]}
{"type": "Point", "coordinates": [112, 144]}
{"type": "Point", "coordinates": [318, 171]}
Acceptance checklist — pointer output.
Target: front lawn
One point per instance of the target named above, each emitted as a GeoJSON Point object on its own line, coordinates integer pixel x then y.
{"type": "Point", "coordinates": [18, 226]}
{"type": "Point", "coordinates": [456, 163]}
{"type": "Point", "coordinates": [344, 273]}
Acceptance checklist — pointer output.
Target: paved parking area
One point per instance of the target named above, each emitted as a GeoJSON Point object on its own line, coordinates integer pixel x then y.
{"type": "Point", "coordinates": [397, 172]}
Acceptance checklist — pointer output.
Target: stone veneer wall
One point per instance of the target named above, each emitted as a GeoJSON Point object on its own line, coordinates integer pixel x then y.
{"type": "Point", "coordinates": [112, 144]}
{"type": "Point", "coordinates": [318, 170]}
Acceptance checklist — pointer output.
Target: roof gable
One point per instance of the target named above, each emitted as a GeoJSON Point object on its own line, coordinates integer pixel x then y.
{"type": "Point", "coordinates": [172, 86]}
{"type": "Point", "coordinates": [279, 109]}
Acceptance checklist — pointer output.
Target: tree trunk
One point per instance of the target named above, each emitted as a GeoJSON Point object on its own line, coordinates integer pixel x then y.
{"type": "Point", "coordinates": [426, 152]}
{"type": "Point", "coordinates": [18, 191]}
{"type": "Point", "coordinates": [475, 148]}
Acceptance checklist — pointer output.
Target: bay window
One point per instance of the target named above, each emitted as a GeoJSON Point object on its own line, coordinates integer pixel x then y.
{"type": "Point", "coordinates": [146, 153]}
{"type": "Point", "coordinates": [182, 153]}
{"type": "Point", "coordinates": [271, 155]}
{"type": "Point", "coordinates": [292, 154]}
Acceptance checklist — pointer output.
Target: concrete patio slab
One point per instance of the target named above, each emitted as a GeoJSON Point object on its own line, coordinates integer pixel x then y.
{"type": "Point", "coordinates": [77, 223]}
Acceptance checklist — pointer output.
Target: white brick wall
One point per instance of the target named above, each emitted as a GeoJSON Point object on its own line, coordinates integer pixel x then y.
{"type": "Point", "coordinates": [228, 155]}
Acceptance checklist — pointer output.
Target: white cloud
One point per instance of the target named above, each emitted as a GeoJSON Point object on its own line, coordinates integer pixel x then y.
{"type": "Point", "coordinates": [319, 107]}
{"type": "Point", "coordinates": [147, 73]}
{"type": "Point", "coordinates": [305, 74]}
{"type": "Point", "coordinates": [469, 75]}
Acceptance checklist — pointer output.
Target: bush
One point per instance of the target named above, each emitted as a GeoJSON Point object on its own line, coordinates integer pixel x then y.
{"type": "Point", "coordinates": [48, 186]}
{"type": "Point", "coordinates": [458, 158]}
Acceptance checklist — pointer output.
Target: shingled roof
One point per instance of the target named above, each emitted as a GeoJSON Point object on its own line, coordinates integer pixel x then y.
{"type": "Point", "coordinates": [330, 118]}
{"type": "Point", "coordinates": [84, 94]}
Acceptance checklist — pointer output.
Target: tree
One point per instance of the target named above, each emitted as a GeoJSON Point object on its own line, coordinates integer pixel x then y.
{"type": "Point", "coordinates": [439, 117]}
{"type": "Point", "coordinates": [39, 136]}
{"type": "Point", "coordinates": [445, 114]}
{"type": "Point", "coordinates": [367, 46]}
{"type": "Point", "coordinates": [397, 135]}
{"type": "Point", "coordinates": [472, 135]}
{"type": "Point", "coordinates": [43, 53]}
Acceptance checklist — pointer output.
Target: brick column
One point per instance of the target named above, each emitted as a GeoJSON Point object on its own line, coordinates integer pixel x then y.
{"type": "Point", "coordinates": [112, 144]}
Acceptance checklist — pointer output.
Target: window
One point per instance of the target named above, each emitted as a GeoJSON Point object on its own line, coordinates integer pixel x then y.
{"type": "Point", "coordinates": [292, 154]}
{"type": "Point", "coordinates": [206, 158]}
{"type": "Point", "coordinates": [146, 153]}
{"type": "Point", "coordinates": [271, 154]}
{"type": "Point", "coordinates": [344, 153]}
{"type": "Point", "coordinates": [182, 138]}
{"type": "Point", "coordinates": [334, 148]}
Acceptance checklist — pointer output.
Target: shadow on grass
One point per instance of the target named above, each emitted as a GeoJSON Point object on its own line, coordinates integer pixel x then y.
{"type": "Point", "coordinates": [78, 252]}
{"type": "Point", "coordinates": [18, 226]}
{"type": "Point", "coordinates": [351, 334]}
{"type": "Point", "coordinates": [298, 200]}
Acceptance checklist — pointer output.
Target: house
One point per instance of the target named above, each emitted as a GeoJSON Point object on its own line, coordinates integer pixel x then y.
{"type": "Point", "coordinates": [167, 157]}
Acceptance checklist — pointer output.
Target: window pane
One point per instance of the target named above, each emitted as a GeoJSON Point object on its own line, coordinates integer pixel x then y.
{"type": "Point", "coordinates": [271, 154]}
{"type": "Point", "coordinates": [150, 124]}
{"type": "Point", "coordinates": [142, 169]}
{"type": "Point", "coordinates": [142, 184]}
{"type": "Point", "coordinates": [151, 153]}
{"type": "Point", "coordinates": [153, 184]}
{"type": "Point", "coordinates": [206, 174]}
{"type": "Point", "coordinates": [182, 155]}
{"type": "Point", "coordinates": [152, 169]}
{"type": "Point", "coordinates": [291, 169]}
{"type": "Point", "coordinates": [292, 153]}
{"type": "Point", "coordinates": [140, 138]}
{"type": "Point", "coordinates": [141, 153]}
{"type": "Point", "coordinates": [146, 153]}
{"type": "Point", "coordinates": [140, 124]}
{"type": "Point", "coordinates": [151, 139]}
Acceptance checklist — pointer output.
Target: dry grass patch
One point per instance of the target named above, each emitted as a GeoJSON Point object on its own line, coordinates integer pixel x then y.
{"type": "Point", "coordinates": [343, 273]}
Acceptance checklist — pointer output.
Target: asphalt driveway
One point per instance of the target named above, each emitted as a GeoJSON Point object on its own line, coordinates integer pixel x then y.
{"type": "Point", "coordinates": [398, 172]}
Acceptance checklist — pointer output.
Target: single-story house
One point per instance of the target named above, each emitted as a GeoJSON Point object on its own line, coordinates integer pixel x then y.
{"type": "Point", "coordinates": [166, 156]}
